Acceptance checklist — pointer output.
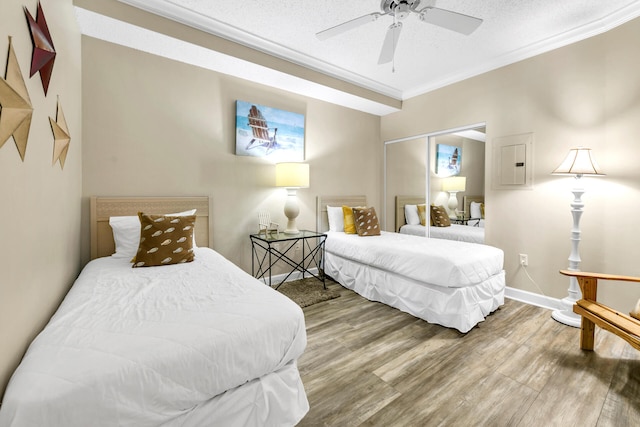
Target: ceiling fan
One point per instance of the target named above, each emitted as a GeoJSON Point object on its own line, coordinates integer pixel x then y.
{"type": "Point", "coordinates": [400, 9]}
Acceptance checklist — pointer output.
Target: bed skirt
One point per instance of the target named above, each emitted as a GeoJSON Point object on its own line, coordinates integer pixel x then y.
{"type": "Point", "coordinates": [276, 399]}
{"type": "Point", "coordinates": [461, 308]}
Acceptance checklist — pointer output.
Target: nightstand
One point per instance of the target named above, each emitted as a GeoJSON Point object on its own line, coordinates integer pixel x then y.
{"type": "Point", "coordinates": [267, 250]}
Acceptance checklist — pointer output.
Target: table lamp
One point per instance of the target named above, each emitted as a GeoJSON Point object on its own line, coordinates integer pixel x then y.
{"type": "Point", "coordinates": [292, 176]}
{"type": "Point", "coordinates": [454, 185]}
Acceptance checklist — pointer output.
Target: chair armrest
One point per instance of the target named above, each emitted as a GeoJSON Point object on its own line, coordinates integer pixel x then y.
{"type": "Point", "coordinates": [601, 276]}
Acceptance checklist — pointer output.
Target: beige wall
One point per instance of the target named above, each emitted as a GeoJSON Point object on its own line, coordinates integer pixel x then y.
{"type": "Point", "coordinates": [584, 94]}
{"type": "Point", "coordinates": [153, 126]}
{"type": "Point", "coordinates": [40, 215]}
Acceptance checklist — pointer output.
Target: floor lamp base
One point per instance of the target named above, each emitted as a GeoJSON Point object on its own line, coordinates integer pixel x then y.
{"type": "Point", "coordinates": [567, 317]}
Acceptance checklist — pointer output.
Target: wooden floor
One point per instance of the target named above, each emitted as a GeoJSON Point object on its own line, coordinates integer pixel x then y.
{"type": "Point", "coordinates": [367, 364]}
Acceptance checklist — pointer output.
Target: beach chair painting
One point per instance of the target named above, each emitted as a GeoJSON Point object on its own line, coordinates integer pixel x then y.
{"type": "Point", "coordinates": [260, 129]}
{"type": "Point", "coordinates": [268, 132]}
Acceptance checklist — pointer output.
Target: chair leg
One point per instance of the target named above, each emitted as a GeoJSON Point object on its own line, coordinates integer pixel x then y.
{"type": "Point", "coordinates": [587, 334]}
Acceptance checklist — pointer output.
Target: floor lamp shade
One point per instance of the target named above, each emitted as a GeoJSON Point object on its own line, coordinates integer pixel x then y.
{"type": "Point", "coordinates": [292, 176]}
{"type": "Point", "coordinates": [579, 162]}
{"type": "Point", "coordinates": [454, 185]}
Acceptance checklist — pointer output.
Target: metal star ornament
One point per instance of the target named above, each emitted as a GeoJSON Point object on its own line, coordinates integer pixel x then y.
{"type": "Point", "coordinates": [61, 137]}
{"type": "Point", "coordinates": [15, 105]}
{"type": "Point", "coordinates": [44, 54]}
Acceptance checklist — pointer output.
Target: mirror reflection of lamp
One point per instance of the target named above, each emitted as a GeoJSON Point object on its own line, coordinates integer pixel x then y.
{"type": "Point", "coordinates": [578, 163]}
{"type": "Point", "coordinates": [292, 176]}
{"type": "Point", "coordinates": [453, 186]}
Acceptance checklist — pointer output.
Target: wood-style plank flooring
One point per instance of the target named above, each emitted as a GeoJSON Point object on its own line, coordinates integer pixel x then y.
{"type": "Point", "coordinates": [367, 364]}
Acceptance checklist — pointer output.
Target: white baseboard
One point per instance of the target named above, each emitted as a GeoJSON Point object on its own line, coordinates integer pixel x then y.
{"type": "Point", "coordinates": [533, 298]}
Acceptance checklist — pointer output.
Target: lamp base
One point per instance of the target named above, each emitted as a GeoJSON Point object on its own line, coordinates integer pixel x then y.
{"type": "Point", "coordinates": [568, 318]}
{"type": "Point", "coordinates": [291, 211]}
{"type": "Point", "coordinates": [291, 229]}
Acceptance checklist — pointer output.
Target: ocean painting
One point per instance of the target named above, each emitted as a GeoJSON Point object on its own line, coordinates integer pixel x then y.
{"type": "Point", "coordinates": [448, 160]}
{"type": "Point", "coordinates": [268, 132]}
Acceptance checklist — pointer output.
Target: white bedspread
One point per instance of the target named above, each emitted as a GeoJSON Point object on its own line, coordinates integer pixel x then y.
{"type": "Point", "coordinates": [434, 261]}
{"type": "Point", "coordinates": [458, 232]}
{"type": "Point", "coordinates": [146, 346]}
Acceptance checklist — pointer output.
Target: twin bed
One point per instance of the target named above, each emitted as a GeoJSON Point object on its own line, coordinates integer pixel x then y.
{"type": "Point", "coordinates": [454, 284]}
{"type": "Point", "coordinates": [191, 344]}
{"type": "Point", "coordinates": [472, 231]}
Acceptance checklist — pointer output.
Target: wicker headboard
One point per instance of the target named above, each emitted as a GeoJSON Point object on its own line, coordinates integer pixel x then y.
{"type": "Point", "coordinates": [104, 207]}
{"type": "Point", "coordinates": [405, 200]}
{"type": "Point", "coordinates": [467, 203]}
{"type": "Point", "coordinates": [322, 220]}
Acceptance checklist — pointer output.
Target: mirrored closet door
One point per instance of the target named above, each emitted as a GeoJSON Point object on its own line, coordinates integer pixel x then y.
{"type": "Point", "coordinates": [456, 160]}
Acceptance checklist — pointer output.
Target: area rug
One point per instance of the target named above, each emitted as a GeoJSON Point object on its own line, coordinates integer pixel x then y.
{"type": "Point", "coordinates": [308, 291]}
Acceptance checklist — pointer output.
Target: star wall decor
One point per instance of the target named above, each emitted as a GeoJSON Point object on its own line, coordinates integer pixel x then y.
{"type": "Point", "coordinates": [16, 110]}
{"type": "Point", "coordinates": [44, 54]}
{"type": "Point", "coordinates": [60, 136]}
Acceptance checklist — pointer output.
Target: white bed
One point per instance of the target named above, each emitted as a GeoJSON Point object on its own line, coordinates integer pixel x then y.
{"type": "Point", "coordinates": [200, 343]}
{"type": "Point", "coordinates": [472, 232]}
{"type": "Point", "coordinates": [454, 284]}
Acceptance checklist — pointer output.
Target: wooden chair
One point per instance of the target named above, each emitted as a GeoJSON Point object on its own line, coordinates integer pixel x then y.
{"type": "Point", "coordinates": [265, 225]}
{"type": "Point", "coordinates": [260, 130]}
{"type": "Point", "coordinates": [594, 313]}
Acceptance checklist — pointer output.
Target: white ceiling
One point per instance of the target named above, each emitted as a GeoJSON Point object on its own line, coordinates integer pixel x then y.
{"type": "Point", "coordinates": [427, 56]}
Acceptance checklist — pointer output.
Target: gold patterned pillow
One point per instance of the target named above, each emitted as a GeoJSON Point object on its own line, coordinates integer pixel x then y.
{"type": "Point", "coordinates": [422, 214]}
{"type": "Point", "coordinates": [366, 222]}
{"type": "Point", "coordinates": [439, 216]}
{"type": "Point", "coordinates": [164, 240]}
{"type": "Point", "coordinates": [349, 224]}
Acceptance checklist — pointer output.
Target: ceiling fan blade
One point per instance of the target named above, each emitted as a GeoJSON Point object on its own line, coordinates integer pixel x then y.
{"type": "Point", "coordinates": [390, 43]}
{"type": "Point", "coordinates": [454, 21]}
{"type": "Point", "coordinates": [346, 26]}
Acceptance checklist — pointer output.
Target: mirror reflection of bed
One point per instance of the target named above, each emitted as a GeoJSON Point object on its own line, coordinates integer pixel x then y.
{"type": "Point", "coordinates": [469, 229]}
{"type": "Point", "coordinates": [410, 169]}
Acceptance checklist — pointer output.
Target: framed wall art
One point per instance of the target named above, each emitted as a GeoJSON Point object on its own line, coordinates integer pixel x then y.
{"type": "Point", "coordinates": [269, 132]}
{"type": "Point", "coordinates": [448, 160]}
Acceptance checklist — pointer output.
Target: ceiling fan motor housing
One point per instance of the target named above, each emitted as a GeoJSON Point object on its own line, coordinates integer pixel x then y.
{"type": "Point", "coordinates": [399, 8]}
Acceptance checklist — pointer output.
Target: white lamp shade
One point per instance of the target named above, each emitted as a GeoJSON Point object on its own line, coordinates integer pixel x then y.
{"type": "Point", "coordinates": [456, 183]}
{"type": "Point", "coordinates": [292, 175]}
{"type": "Point", "coordinates": [579, 162]}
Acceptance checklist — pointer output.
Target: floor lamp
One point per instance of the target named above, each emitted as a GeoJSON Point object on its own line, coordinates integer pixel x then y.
{"type": "Point", "coordinates": [292, 176]}
{"type": "Point", "coordinates": [578, 162]}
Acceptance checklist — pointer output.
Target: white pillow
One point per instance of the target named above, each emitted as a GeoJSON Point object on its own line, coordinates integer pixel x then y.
{"type": "Point", "coordinates": [411, 214]}
{"type": "Point", "coordinates": [336, 218]}
{"type": "Point", "coordinates": [474, 207]}
{"type": "Point", "coordinates": [126, 233]}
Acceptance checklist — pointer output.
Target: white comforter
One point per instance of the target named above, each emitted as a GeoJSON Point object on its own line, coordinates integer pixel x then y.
{"type": "Point", "coordinates": [434, 261]}
{"type": "Point", "coordinates": [145, 346]}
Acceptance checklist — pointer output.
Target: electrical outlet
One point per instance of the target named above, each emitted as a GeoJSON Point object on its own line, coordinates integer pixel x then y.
{"type": "Point", "coordinates": [524, 260]}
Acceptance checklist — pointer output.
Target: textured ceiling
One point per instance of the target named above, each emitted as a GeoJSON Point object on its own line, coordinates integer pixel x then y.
{"type": "Point", "coordinates": [427, 56]}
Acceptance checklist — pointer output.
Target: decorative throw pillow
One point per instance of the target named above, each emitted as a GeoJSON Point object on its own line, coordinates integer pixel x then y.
{"type": "Point", "coordinates": [439, 216]}
{"type": "Point", "coordinates": [349, 224]}
{"type": "Point", "coordinates": [635, 313]}
{"type": "Point", "coordinates": [164, 240]}
{"type": "Point", "coordinates": [422, 214]}
{"type": "Point", "coordinates": [126, 233]}
{"type": "Point", "coordinates": [366, 222]}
